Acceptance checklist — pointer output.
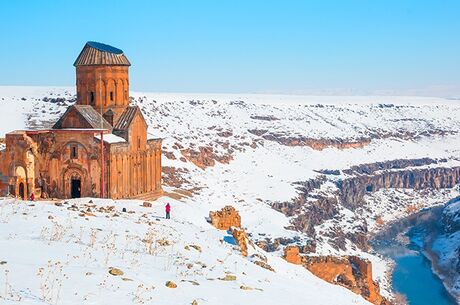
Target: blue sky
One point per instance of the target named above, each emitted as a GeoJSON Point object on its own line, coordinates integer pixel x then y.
{"type": "Point", "coordinates": [340, 46]}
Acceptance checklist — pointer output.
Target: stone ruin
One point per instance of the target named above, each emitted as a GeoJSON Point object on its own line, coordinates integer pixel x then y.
{"type": "Point", "coordinates": [226, 218]}
{"type": "Point", "coordinates": [351, 272]}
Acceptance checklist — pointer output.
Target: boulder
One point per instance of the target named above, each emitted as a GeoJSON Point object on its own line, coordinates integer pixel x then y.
{"type": "Point", "coordinates": [115, 271]}
{"type": "Point", "coordinates": [171, 284]}
{"type": "Point", "coordinates": [292, 255]}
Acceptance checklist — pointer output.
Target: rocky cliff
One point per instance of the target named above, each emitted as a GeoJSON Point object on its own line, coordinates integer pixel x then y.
{"type": "Point", "coordinates": [403, 174]}
{"type": "Point", "coordinates": [351, 272]}
{"type": "Point", "coordinates": [313, 207]}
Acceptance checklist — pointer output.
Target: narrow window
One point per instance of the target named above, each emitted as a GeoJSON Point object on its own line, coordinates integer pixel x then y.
{"type": "Point", "coordinates": [111, 95]}
{"type": "Point", "coordinates": [73, 152]}
{"type": "Point", "coordinates": [138, 143]}
{"type": "Point", "coordinates": [91, 97]}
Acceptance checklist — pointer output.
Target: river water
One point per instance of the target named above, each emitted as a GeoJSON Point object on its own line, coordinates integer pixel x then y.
{"type": "Point", "coordinates": [413, 276]}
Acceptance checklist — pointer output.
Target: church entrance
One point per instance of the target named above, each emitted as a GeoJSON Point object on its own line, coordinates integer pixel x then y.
{"type": "Point", "coordinates": [75, 188]}
{"type": "Point", "coordinates": [22, 191]}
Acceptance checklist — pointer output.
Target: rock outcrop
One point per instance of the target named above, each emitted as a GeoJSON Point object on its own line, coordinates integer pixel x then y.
{"type": "Point", "coordinates": [241, 239]}
{"type": "Point", "coordinates": [316, 144]}
{"type": "Point", "coordinates": [205, 156]}
{"type": "Point", "coordinates": [311, 207]}
{"type": "Point", "coordinates": [226, 218]}
{"type": "Point", "coordinates": [352, 190]}
{"type": "Point", "coordinates": [292, 255]}
{"type": "Point", "coordinates": [351, 272]}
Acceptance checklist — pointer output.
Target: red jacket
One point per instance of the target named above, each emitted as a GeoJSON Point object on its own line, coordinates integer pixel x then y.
{"type": "Point", "coordinates": [168, 208]}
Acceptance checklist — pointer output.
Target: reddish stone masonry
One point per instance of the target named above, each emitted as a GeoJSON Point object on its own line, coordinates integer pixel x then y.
{"type": "Point", "coordinates": [351, 272]}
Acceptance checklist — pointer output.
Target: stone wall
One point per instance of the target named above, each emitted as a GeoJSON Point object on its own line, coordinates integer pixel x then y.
{"type": "Point", "coordinates": [226, 218]}
{"type": "Point", "coordinates": [351, 272]}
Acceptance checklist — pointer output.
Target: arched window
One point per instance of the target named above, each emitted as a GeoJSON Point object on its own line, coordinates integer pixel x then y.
{"type": "Point", "coordinates": [111, 96]}
{"type": "Point", "coordinates": [73, 152]}
{"type": "Point", "coordinates": [91, 98]}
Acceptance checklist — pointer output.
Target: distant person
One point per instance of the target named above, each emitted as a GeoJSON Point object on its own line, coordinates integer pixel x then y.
{"type": "Point", "coordinates": [32, 197]}
{"type": "Point", "coordinates": [168, 211]}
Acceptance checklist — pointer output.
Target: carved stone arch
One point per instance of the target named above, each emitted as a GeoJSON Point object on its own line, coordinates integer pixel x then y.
{"type": "Point", "coordinates": [119, 95]}
{"type": "Point", "coordinates": [63, 151]}
{"type": "Point", "coordinates": [75, 172]}
{"type": "Point", "coordinates": [110, 87]}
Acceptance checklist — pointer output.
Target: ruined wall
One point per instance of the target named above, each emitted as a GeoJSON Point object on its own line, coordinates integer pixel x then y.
{"type": "Point", "coordinates": [226, 218]}
{"type": "Point", "coordinates": [351, 272]}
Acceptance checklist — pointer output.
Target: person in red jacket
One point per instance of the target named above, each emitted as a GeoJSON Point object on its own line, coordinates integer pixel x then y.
{"type": "Point", "coordinates": [168, 211]}
{"type": "Point", "coordinates": [32, 197]}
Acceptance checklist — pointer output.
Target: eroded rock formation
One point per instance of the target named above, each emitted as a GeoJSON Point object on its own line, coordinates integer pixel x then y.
{"type": "Point", "coordinates": [241, 239]}
{"type": "Point", "coordinates": [205, 156]}
{"type": "Point", "coordinates": [317, 144]}
{"type": "Point", "coordinates": [292, 255]}
{"type": "Point", "coordinates": [352, 190]}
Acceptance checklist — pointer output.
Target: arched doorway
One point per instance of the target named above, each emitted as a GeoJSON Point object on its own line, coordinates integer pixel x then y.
{"type": "Point", "coordinates": [22, 193]}
{"type": "Point", "coordinates": [75, 182]}
{"type": "Point", "coordinates": [75, 187]}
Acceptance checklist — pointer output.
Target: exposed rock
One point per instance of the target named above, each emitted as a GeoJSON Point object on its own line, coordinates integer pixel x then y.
{"type": "Point", "coordinates": [352, 190]}
{"type": "Point", "coordinates": [316, 144]}
{"type": "Point", "coordinates": [174, 176]}
{"type": "Point", "coordinates": [226, 218]}
{"type": "Point", "coordinates": [171, 284]}
{"type": "Point", "coordinates": [311, 207]}
{"type": "Point", "coordinates": [264, 265]}
{"type": "Point", "coordinates": [147, 204]}
{"type": "Point", "coordinates": [264, 118]}
{"type": "Point", "coordinates": [196, 247]}
{"type": "Point", "coordinates": [205, 156]}
{"type": "Point", "coordinates": [228, 277]}
{"type": "Point", "coordinates": [351, 272]}
{"type": "Point", "coordinates": [115, 271]}
{"type": "Point", "coordinates": [292, 255]}
{"type": "Point", "coordinates": [169, 154]}
{"type": "Point", "coordinates": [241, 239]}
{"type": "Point", "coordinates": [225, 134]}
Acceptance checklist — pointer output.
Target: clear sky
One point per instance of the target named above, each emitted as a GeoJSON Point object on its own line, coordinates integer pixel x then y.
{"type": "Point", "coordinates": [284, 46]}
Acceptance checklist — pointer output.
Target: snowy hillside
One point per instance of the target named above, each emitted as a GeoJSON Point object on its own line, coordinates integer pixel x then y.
{"type": "Point", "coordinates": [272, 157]}
{"type": "Point", "coordinates": [63, 254]}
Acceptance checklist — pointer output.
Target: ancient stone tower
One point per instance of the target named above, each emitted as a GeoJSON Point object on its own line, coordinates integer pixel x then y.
{"type": "Point", "coordinates": [102, 78]}
{"type": "Point", "coordinates": [69, 160]}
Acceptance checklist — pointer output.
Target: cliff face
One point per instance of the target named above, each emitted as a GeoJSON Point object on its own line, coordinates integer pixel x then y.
{"type": "Point", "coordinates": [316, 144]}
{"type": "Point", "coordinates": [313, 207]}
{"type": "Point", "coordinates": [352, 190]}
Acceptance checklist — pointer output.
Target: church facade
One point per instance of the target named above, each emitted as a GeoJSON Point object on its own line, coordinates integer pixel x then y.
{"type": "Point", "coordinates": [70, 160]}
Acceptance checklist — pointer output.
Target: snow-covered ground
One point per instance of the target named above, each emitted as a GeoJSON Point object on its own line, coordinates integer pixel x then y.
{"type": "Point", "coordinates": [260, 171]}
{"type": "Point", "coordinates": [52, 255]}
{"type": "Point", "coordinates": [447, 247]}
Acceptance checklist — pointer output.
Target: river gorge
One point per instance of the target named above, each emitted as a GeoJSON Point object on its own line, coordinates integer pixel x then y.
{"type": "Point", "coordinates": [409, 244]}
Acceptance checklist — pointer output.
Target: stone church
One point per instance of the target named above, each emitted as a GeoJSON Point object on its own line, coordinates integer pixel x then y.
{"type": "Point", "coordinates": [70, 160]}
